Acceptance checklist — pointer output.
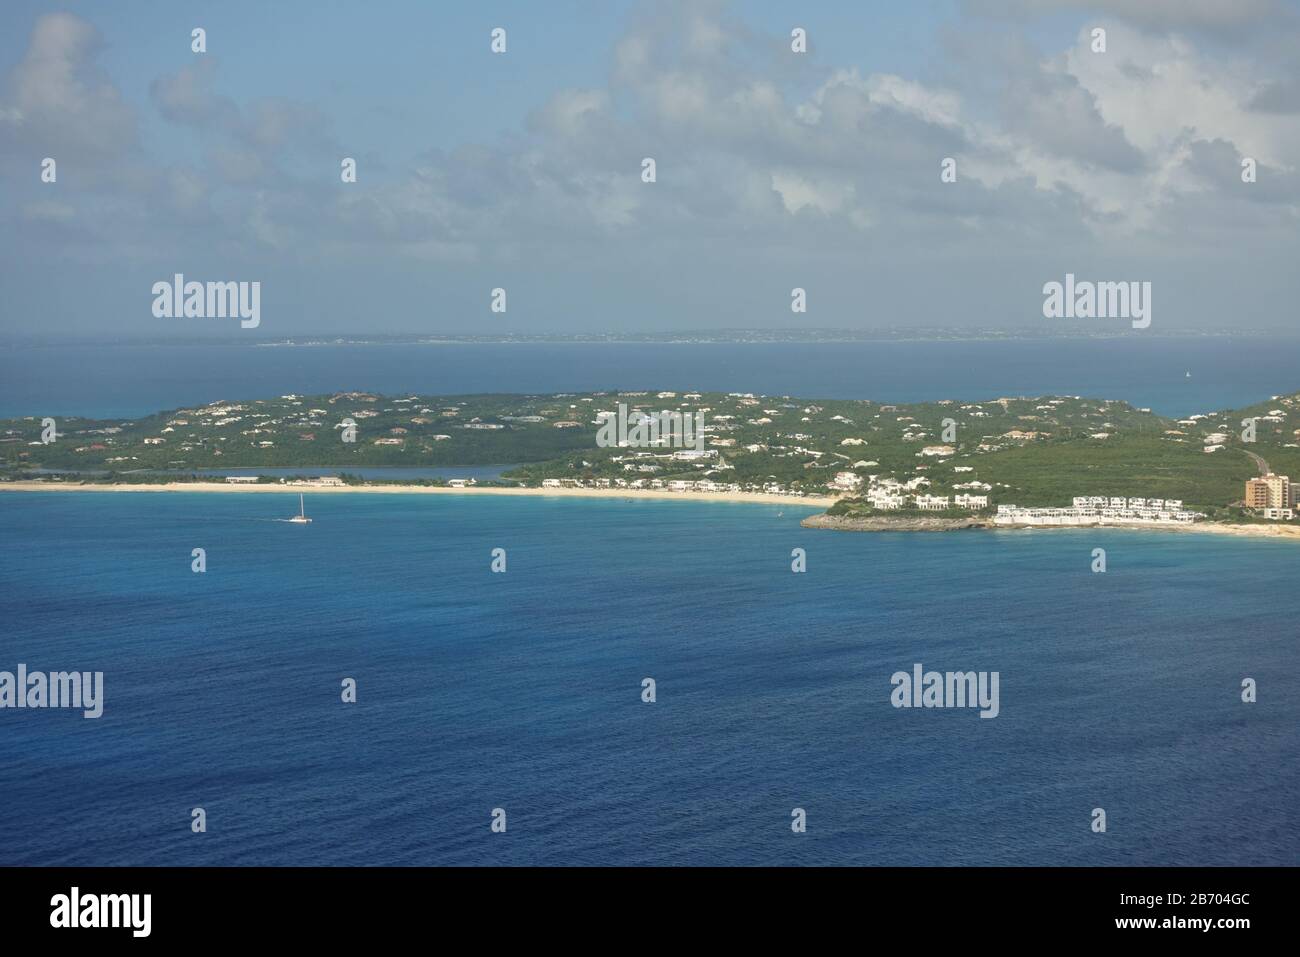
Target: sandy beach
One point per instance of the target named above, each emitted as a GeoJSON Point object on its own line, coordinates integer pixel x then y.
{"type": "Point", "coordinates": [1283, 531]}
{"type": "Point", "coordinates": [759, 498]}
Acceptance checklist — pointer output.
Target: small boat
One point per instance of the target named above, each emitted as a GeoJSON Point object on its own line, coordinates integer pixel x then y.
{"type": "Point", "coordinates": [301, 518]}
{"type": "Point", "coordinates": [1188, 375]}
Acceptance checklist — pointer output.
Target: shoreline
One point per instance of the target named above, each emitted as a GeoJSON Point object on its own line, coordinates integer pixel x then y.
{"type": "Point", "coordinates": [885, 524]}
{"type": "Point", "coordinates": [753, 498]}
{"type": "Point", "coordinates": [817, 521]}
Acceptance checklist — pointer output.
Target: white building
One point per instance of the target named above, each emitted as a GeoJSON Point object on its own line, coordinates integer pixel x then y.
{"type": "Point", "coordinates": [932, 503]}
{"type": "Point", "coordinates": [884, 499]}
{"type": "Point", "coordinates": [1098, 510]}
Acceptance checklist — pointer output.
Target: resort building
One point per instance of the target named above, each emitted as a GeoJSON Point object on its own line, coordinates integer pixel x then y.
{"type": "Point", "coordinates": [884, 499]}
{"type": "Point", "coordinates": [1256, 493]}
{"type": "Point", "coordinates": [1274, 495]}
{"type": "Point", "coordinates": [1270, 491]}
{"type": "Point", "coordinates": [1135, 504]}
{"type": "Point", "coordinates": [847, 480]}
{"type": "Point", "coordinates": [932, 503]}
{"type": "Point", "coordinates": [1100, 510]}
{"type": "Point", "coordinates": [324, 481]}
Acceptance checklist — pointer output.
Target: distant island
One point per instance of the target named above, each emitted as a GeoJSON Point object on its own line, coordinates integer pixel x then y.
{"type": "Point", "coordinates": [1012, 461]}
{"type": "Point", "coordinates": [1032, 331]}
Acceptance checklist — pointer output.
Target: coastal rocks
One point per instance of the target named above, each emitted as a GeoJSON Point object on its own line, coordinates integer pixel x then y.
{"type": "Point", "coordinates": [891, 523]}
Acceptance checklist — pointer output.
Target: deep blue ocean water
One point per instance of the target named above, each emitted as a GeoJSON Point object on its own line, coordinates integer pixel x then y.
{"type": "Point", "coordinates": [522, 691]}
{"type": "Point", "coordinates": [130, 380]}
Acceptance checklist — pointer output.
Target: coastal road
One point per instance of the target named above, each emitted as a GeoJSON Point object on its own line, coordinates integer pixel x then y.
{"type": "Point", "coordinates": [1259, 462]}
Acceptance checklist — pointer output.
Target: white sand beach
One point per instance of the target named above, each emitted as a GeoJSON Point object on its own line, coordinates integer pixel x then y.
{"type": "Point", "coordinates": [761, 498]}
{"type": "Point", "coordinates": [1280, 530]}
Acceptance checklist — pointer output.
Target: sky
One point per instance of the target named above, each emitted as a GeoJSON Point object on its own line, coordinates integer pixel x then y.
{"type": "Point", "coordinates": [522, 170]}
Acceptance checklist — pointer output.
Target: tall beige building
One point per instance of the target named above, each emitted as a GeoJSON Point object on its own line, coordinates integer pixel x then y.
{"type": "Point", "coordinates": [1271, 491]}
{"type": "Point", "coordinates": [1279, 491]}
{"type": "Point", "coordinates": [1256, 493]}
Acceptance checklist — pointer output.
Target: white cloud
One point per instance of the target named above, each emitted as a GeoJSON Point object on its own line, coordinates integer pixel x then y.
{"type": "Point", "coordinates": [1113, 154]}
{"type": "Point", "coordinates": [58, 98]}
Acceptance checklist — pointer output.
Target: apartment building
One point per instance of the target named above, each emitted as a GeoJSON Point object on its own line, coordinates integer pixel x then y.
{"type": "Point", "coordinates": [1271, 492]}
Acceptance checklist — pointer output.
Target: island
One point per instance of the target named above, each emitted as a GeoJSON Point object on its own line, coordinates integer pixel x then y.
{"type": "Point", "coordinates": [1006, 462]}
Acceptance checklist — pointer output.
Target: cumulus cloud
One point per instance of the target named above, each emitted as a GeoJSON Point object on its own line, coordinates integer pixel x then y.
{"type": "Point", "coordinates": [1055, 149]}
{"type": "Point", "coordinates": [1278, 96]}
{"type": "Point", "coordinates": [58, 98]}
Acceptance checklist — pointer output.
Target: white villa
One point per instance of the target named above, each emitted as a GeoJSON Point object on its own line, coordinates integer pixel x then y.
{"type": "Point", "coordinates": [324, 481]}
{"type": "Point", "coordinates": [932, 503]}
{"type": "Point", "coordinates": [1101, 510]}
{"type": "Point", "coordinates": [885, 499]}
{"type": "Point", "coordinates": [847, 480]}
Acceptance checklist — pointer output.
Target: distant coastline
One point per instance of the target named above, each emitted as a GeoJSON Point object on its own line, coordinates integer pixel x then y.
{"type": "Point", "coordinates": [1034, 332]}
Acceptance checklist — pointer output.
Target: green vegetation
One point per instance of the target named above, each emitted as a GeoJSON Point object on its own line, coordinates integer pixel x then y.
{"type": "Point", "coordinates": [1027, 451]}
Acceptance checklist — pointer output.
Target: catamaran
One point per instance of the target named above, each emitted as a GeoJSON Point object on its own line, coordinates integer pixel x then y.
{"type": "Point", "coordinates": [301, 518]}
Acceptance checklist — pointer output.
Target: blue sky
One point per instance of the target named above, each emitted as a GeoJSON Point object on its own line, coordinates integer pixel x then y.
{"type": "Point", "coordinates": [522, 170]}
{"type": "Point", "coordinates": [401, 76]}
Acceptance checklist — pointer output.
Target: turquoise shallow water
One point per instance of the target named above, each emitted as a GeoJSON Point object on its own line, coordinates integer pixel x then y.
{"type": "Point", "coordinates": [522, 690]}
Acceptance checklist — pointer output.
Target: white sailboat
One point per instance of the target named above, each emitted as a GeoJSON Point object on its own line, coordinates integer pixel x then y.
{"type": "Point", "coordinates": [301, 518]}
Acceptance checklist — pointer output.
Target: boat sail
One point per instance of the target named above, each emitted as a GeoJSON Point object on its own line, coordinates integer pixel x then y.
{"type": "Point", "coordinates": [301, 518]}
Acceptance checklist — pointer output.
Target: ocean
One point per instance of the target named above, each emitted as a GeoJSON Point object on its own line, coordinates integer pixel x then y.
{"type": "Point", "coordinates": [132, 380]}
{"type": "Point", "coordinates": [522, 690]}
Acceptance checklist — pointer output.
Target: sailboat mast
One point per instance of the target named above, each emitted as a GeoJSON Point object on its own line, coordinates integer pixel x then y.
{"type": "Point", "coordinates": [302, 511]}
